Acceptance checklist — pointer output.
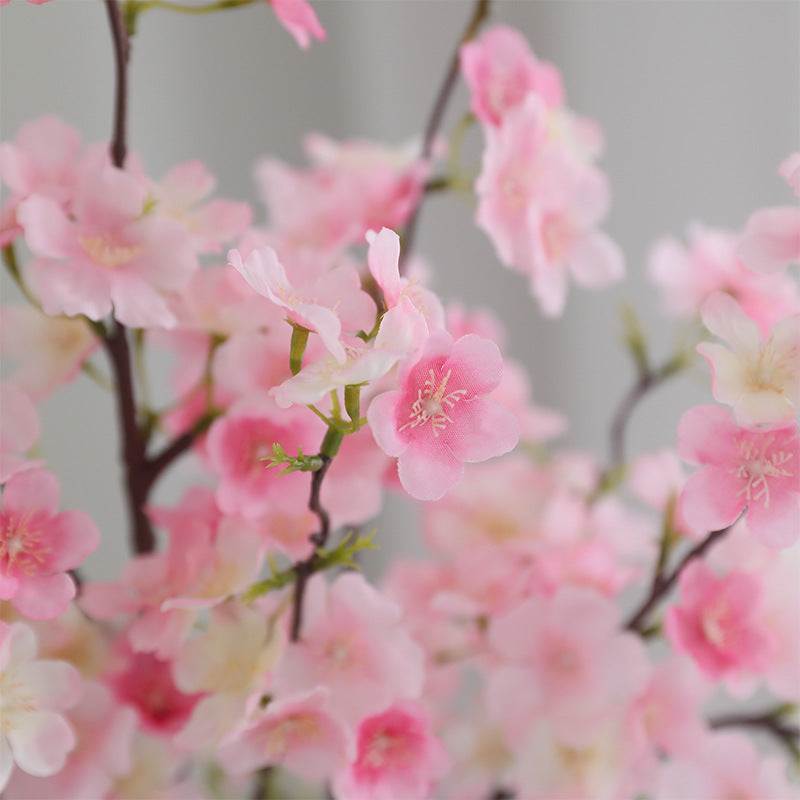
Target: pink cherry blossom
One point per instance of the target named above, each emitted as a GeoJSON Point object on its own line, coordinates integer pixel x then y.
{"type": "Point", "coordinates": [178, 195]}
{"type": "Point", "coordinates": [500, 70]}
{"type": "Point", "coordinates": [294, 732]}
{"type": "Point", "coordinates": [790, 171]}
{"type": "Point", "coordinates": [540, 205]}
{"type": "Point", "coordinates": [756, 469]}
{"type": "Point", "coordinates": [771, 239]}
{"type": "Point", "coordinates": [311, 306]}
{"type": "Point", "coordinates": [726, 764]}
{"type": "Point", "coordinates": [43, 159]}
{"type": "Point", "coordinates": [111, 256]}
{"type": "Point", "coordinates": [688, 276]}
{"type": "Point", "coordinates": [352, 643]}
{"type": "Point", "coordinates": [397, 756]}
{"type": "Point", "coordinates": [298, 17]}
{"type": "Point", "coordinates": [34, 735]}
{"type": "Point", "coordinates": [38, 545]}
{"type": "Point", "coordinates": [717, 622]}
{"type": "Point", "coordinates": [51, 350]}
{"type": "Point", "coordinates": [758, 376]}
{"type": "Point", "coordinates": [18, 432]}
{"type": "Point", "coordinates": [441, 417]}
{"type": "Point", "coordinates": [145, 682]}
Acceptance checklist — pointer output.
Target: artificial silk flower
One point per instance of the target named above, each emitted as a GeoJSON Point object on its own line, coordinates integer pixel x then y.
{"type": "Point", "coordinates": [441, 417]}
{"type": "Point", "coordinates": [34, 735]}
{"type": "Point", "coordinates": [741, 468]}
{"type": "Point", "coordinates": [758, 376]}
{"type": "Point", "coordinates": [38, 545]}
{"type": "Point", "coordinates": [298, 17]}
{"type": "Point", "coordinates": [771, 240]}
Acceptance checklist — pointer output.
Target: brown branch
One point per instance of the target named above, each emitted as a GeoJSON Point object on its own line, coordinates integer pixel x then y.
{"type": "Point", "coordinates": [770, 721]}
{"type": "Point", "coordinates": [305, 569]}
{"type": "Point", "coordinates": [479, 14]}
{"type": "Point", "coordinates": [662, 585]}
{"type": "Point", "coordinates": [134, 461]}
{"type": "Point", "coordinates": [122, 52]}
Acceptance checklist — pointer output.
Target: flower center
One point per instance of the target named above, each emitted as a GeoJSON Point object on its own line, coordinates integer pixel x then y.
{"type": "Point", "coordinates": [103, 250]}
{"type": "Point", "coordinates": [756, 466]}
{"type": "Point", "coordinates": [21, 547]}
{"type": "Point", "coordinates": [433, 404]}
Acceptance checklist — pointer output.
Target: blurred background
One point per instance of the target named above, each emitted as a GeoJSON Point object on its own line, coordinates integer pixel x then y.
{"type": "Point", "coordinates": [699, 103]}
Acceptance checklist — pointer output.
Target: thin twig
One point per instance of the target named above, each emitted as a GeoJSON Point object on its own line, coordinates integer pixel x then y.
{"type": "Point", "coordinates": [479, 14]}
{"type": "Point", "coordinates": [662, 585]}
{"type": "Point", "coordinates": [305, 569]}
{"type": "Point", "coordinates": [770, 721]}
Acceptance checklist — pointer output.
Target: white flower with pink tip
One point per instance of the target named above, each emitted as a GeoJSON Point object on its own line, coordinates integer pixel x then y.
{"type": "Point", "coordinates": [33, 735]}
{"type": "Point", "coordinates": [441, 417]}
{"type": "Point", "coordinates": [758, 376]}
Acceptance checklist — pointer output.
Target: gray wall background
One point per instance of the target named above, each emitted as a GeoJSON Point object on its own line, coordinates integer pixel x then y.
{"type": "Point", "coordinates": [699, 102]}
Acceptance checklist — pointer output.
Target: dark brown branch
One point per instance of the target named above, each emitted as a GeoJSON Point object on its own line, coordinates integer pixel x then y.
{"type": "Point", "coordinates": [663, 584]}
{"type": "Point", "coordinates": [122, 53]}
{"type": "Point", "coordinates": [770, 721]}
{"type": "Point", "coordinates": [479, 14]}
{"type": "Point", "coordinates": [305, 569]}
{"type": "Point", "coordinates": [134, 461]}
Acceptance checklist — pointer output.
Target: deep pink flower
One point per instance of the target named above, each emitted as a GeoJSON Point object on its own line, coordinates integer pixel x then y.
{"type": "Point", "coordinates": [441, 416]}
{"type": "Point", "coordinates": [397, 756]}
{"type": "Point", "coordinates": [717, 622]}
{"type": "Point", "coordinates": [38, 545]}
{"type": "Point", "coordinates": [758, 469]}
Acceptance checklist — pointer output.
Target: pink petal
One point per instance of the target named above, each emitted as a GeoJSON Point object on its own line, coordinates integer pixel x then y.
{"type": "Point", "coordinates": [596, 261]}
{"type": "Point", "coordinates": [382, 419]}
{"type": "Point", "coordinates": [40, 743]}
{"type": "Point", "coordinates": [44, 597]}
{"type": "Point", "coordinates": [48, 231]}
{"type": "Point", "coordinates": [476, 365]}
{"type": "Point", "coordinates": [36, 491]}
{"type": "Point", "coordinates": [483, 428]}
{"type": "Point", "coordinates": [383, 258]}
{"type": "Point", "coordinates": [777, 526]}
{"type": "Point", "coordinates": [426, 473]}
{"type": "Point", "coordinates": [75, 536]}
{"type": "Point", "coordinates": [772, 239]}
{"type": "Point", "coordinates": [711, 498]}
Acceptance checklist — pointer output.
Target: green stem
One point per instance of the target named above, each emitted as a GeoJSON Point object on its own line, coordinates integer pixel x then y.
{"type": "Point", "coordinates": [297, 348]}
{"type": "Point", "coordinates": [10, 260]}
{"type": "Point", "coordinates": [206, 8]}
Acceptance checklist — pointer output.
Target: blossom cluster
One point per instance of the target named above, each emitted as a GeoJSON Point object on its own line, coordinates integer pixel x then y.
{"type": "Point", "coordinates": [242, 645]}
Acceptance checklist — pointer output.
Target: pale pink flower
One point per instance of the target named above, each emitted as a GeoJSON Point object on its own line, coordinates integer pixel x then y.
{"type": "Point", "coordinates": [540, 205]}
{"type": "Point", "coordinates": [771, 239]}
{"type": "Point", "coordinates": [384, 183]}
{"type": "Point", "coordinates": [717, 622]}
{"type": "Point", "coordinates": [688, 276]}
{"type": "Point", "coordinates": [789, 170]}
{"type": "Point", "coordinates": [43, 159]}
{"type": "Point", "coordinates": [397, 756]}
{"type": "Point", "coordinates": [441, 417]}
{"type": "Point", "coordinates": [759, 376]}
{"type": "Point", "coordinates": [109, 254]}
{"type": "Point", "coordinates": [500, 70]}
{"type": "Point", "coordinates": [178, 195]}
{"type": "Point", "coordinates": [725, 765]}
{"type": "Point", "coordinates": [38, 545]}
{"type": "Point", "coordinates": [18, 432]}
{"type": "Point", "coordinates": [666, 717]}
{"type": "Point", "coordinates": [34, 735]}
{"type": "Point", "coordinates": [298, 17]}
{"type": "Point", "coordinates": [104, 732]}
{"type": "Point", "coordinates": [568, 661]}
{"type": "Point", "coordinates": [296, 733]}
{"type": "Point", "coordinates": [757, 469]}
{"type": "Point", "coordinates": [32, 2]}
{"type": "Point", "coordinates": [322, 306]}
{"type": "Point", "coordinates": [51, 349]}
{"type": "Point", "coordinates": [352, 643]}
